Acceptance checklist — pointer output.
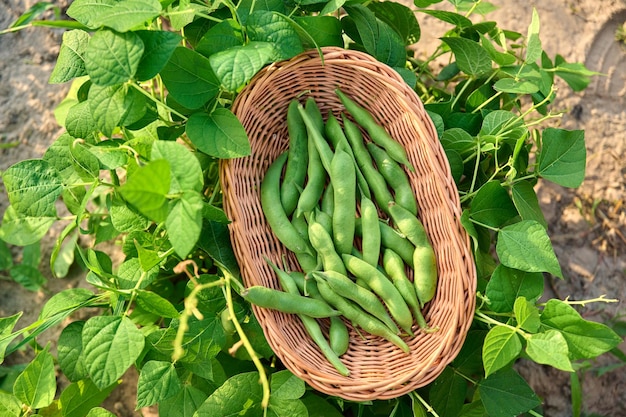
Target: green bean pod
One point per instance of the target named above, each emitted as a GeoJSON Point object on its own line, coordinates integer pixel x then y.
{"type": "Point", "coordinates": [376, 132]}
{"type": "Point", "coordinates": [425, 274]}
{"type": "Point", "coordinates": [338, 333]}
{"type": "Point", "coordinates": [384, 288]}
{"type": "Point", "coordinates": [315, 114]}
{"type": "Point", "coordinates": [323, 243]}
{"type": "Point", "coordinates": [390, 238]}
{"type": "Point", "coordinates": [328, 200]}
{"type": "Point", "coordinates": [337, 138]}
{"type": "Point", "coordinates": [343, 178]}
{"type": "Point", "coordinates": [317, 137]}
{"type": "Point", "coordinates": [316, 180]}
{"type": "Point", "coordinates": [376, 182]}
{"type": "Point", "coordinates": [394, 268]}
{"type": "Point", "coordinates": [324, 220]}
{"type": "Point", "coordinates": [395, 177]}
{"type": "Point", "coordinates": [363, 297]}
{"type": "Point", "coordinates": [274, 212]}
{"type": "Point", "coordinates": [287, 303]}
{"type": "Point", "coordinates": [370, 241]}
{"type": "Point", "coordinates": [295, 170]}
{"type": "Point", "coordinates": [360, 317]}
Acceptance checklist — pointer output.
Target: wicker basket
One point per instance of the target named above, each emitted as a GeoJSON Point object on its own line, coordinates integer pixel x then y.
{"type": "Point", "coordinates": [378, 369]}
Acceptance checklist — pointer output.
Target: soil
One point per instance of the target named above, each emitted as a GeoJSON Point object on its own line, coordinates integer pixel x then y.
{"type": "Point", "coordinates": [587, 225]}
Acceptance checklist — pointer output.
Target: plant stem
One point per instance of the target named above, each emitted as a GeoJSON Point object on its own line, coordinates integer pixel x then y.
{"type": "Point", "coordinates": [428, 407]}
{"type": "Point", "coordinates": [145, 93]}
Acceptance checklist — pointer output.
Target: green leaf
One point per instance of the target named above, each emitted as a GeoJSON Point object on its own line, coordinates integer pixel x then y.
{"type": "Point", "coordinates": [28, 277]}
{"type": "Point", "coordinates": [527, 315]}
{"type": "Point", "coordinates": [157, 382]}
{"type": "Point", "coordinates": [6, 328]}
{"type": "Point", "coordinates": [378, 39]}
{"type": "Point", "coordinates": [319, 407]}
{"type": "Point", "coordinates": [506, 394]}
{"type": "Point", "coordinates": [447, 393]}
{"type": "Point", "coordinates": [220, 37]}
{"type": "Point", "coordinates": [507, 284]}
{"type": "Point", "coordinates": [219, 134]}
{"type": "Point", "coordinates": [549, 348]}
{"type": "Point", "coordinates": [110, 346]}
{"type": "Point", "coordinates": [400, 18]}
{"type": "Point", "coordinates": [85, 163]}
{"type": "Point", "coordinates": [585, 339]}
{"type": "Point", "coordinates": [215, 241]}
{"type": "Point", "coordinates": [237, 65]}
{"type": "Point", "coordinates": [6, 257]}
{"type": "Point", "coordinates": [70, 62]}
{"type": "Point", "coordinates": [89, 12]}
{"type": "Point", "coordinates": [70, 349]}
{"type": "Point", "coordinates": [36, 385]}
{"type": "Point", "coordinates": [503, 124]}
{"type": "Point", "coordinates": [23, 230]}
{"type": "Point", "coordinates": [470, 56]}
{"type": "Point", "coordinates": [9, 405]}
{"type": "Point", "coordinates": [527, 203]}
{"type": "Point", "coordinates": [99, 412]}
{"type": "Point", "coordinates": [184, 222]}
{"type": "Point", "coordinates": [130, 275]}
{"type": "Point", "coordinates": [183, 404]}
{"type": "Point", "coordinates": [502, 346]}
{"type": "Point", "coordinates": [79, 398]}
{"type": "Point", "coordinates": [526, 246]}
{"type": "Point", "coordinates": [324, 30]}
{"type": "Point", "coordinates": [33, 186]}
{"type": "Point", "coordinates": [186, 172]}
{"type": "Point", "coordinates": [492, 205]}
{"type": "Point", "coordinates": [239, 395]}
{"type": "Point", "coordinates": [272, 27]}
{"type": "Point", "coordinates": [112, 57]}
{"type": "Point", "coordinates": [286, 386]}
{"type": "Point", "coordinates": [533, 43]}
{"type": "Point", "coordinates": [66, 300]}
{"type": "Point", "coordinates": [563, 156]}
{"type": "Point", "coordinates": [575, 74]}
{"type": "Point", "coordinates": [279, 407]}
{"type": "Point", "coordinates": [115, 105]}
{"type": "Point", "coordinates": [189, 78]}
{"type": "Point", "coordinates": [79, 121]}
{"type": "Point", "coordinates": [154, 303]}
{"type": "Point", "coordinates": [128, 14]}
{"type": "Point", "coordinates": [500, 58]}
{"type": "Point", "coordinates": [513, 86]}
{"type": "Point", "coordinates": [159, 45]}
{"type": "Point", "coordinates": [147, 187]}
{"type": "Point", "coordinates": [110, 154]}
{"type": "Point", "coordinates": [125, 219]}
{"type": "Point", "coordinates": [63, 257]}
{"type": "Point", "coordinates": [449, 17]}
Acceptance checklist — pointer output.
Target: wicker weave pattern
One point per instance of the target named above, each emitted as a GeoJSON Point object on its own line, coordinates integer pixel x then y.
{"type": "Point", "coordinates": [379, 370]}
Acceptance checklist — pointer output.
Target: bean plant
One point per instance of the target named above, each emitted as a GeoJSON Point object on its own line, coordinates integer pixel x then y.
{"type": "Point", "coordinates": [147, 120]}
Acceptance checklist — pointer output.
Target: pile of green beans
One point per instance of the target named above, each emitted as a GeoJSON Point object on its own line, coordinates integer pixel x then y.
{"type": "Point", "coordinates": [344, 206]}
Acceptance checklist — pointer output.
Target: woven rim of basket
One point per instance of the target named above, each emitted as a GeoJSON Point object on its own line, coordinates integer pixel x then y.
{"type": "Point", "coordinates": [378, 369]}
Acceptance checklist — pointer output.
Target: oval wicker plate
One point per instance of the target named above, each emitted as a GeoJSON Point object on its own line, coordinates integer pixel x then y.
{"type": "Point", "coordinates": [379, 370]}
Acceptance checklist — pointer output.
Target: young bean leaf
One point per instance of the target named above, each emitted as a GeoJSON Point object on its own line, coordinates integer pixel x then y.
{"type": "Point", "coordinates": [6, 328]}
{"type": "Point", "coordinates": [128, 14]}
{"type": "Point", "coordinates": [502, 346]}
{"type": "Point", "coordinates": [470, 56]}
{"type": "Point", "coordinates": [186, 172]}
{"type": "Point", "coordinates": [154, 303]}
{"type": "Point", "coordinates": [99, 412]}
{"type": "Point", "coordinates": [281, 407]}
{"type": "Point", "coordinates": [506, 394]}
{"type": "Point", "coordinates": [526, 202]}
{"type": "Point", "coordinates": [112, 57]}
{"type": "Point", "coordinates": [585, 339]}
{"type": "Point", "coordinates": [189, 78]}
{"type": "Point", "coordinates": [219, 134]}
{"type": "Point", "coordinates": [147, 187]}
{"type": "Point", "coordinates": [527, 315]}
{"type": "Point", "coordinates": [220, 37]}
{"type": "Point", "coordinates": [110, 346]}
{"type": "Point", "coordinates": [237, 65]}
{"type": "Point", "coordinates": [33, 187]}
{"type": "Point", "coordinates": [492, 205]}
{"type": "Point", "coordinates": [400, 18]}
{"type": "Point", "coordinates": [70, 349]}
{"type": "Point", "coordinates": [575, 74]}
{"type": "Point", "coordinates": [36, 385]}
{"type": "Point", "coordinates": [323, 30]}
{"type": "Point", "coordinates": [21, 230]}
{"type": "Point", "coordinates": [447, 393]}
{"type": "Point", "coordinates": [131, 275]}
{"type": "Point", "coordinates": [507, 284]}
{"type": "Point", "coordinates": [80, 122]}
{"type": "Point", "coordinates": [526, 246]}
{"type": "Point", "coordinates": [513, 86]}
{"type": "Point", "coordinates": [89, 12]}
{"type": "Point", "coordinates": [70, 62]}
{"type": "Point", "coordinates": [80, 397]}
{"type": "Point", "coordinates": [549, 348]}
{"type": "Point", "coordinates": [240, 394]}
{"type": "Point", "coordinates": [562, 158]}
{"type": "Point", "coordinates": [158, 381]}
{"type": "Point", "coordinates": [183, 404]}
{"type": "Point", "coordinates": [184, 222]}
{"type": "Point", "coordinates": [274, 28]}
{"type": "Point", "coordinates": [115, 105]}
{"type": "Point", "coordinates": [449, 17]}
{"type": "Point", "coordinates": [9, 405]}
{"type": "Point", "coordinates": [533, 43]}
